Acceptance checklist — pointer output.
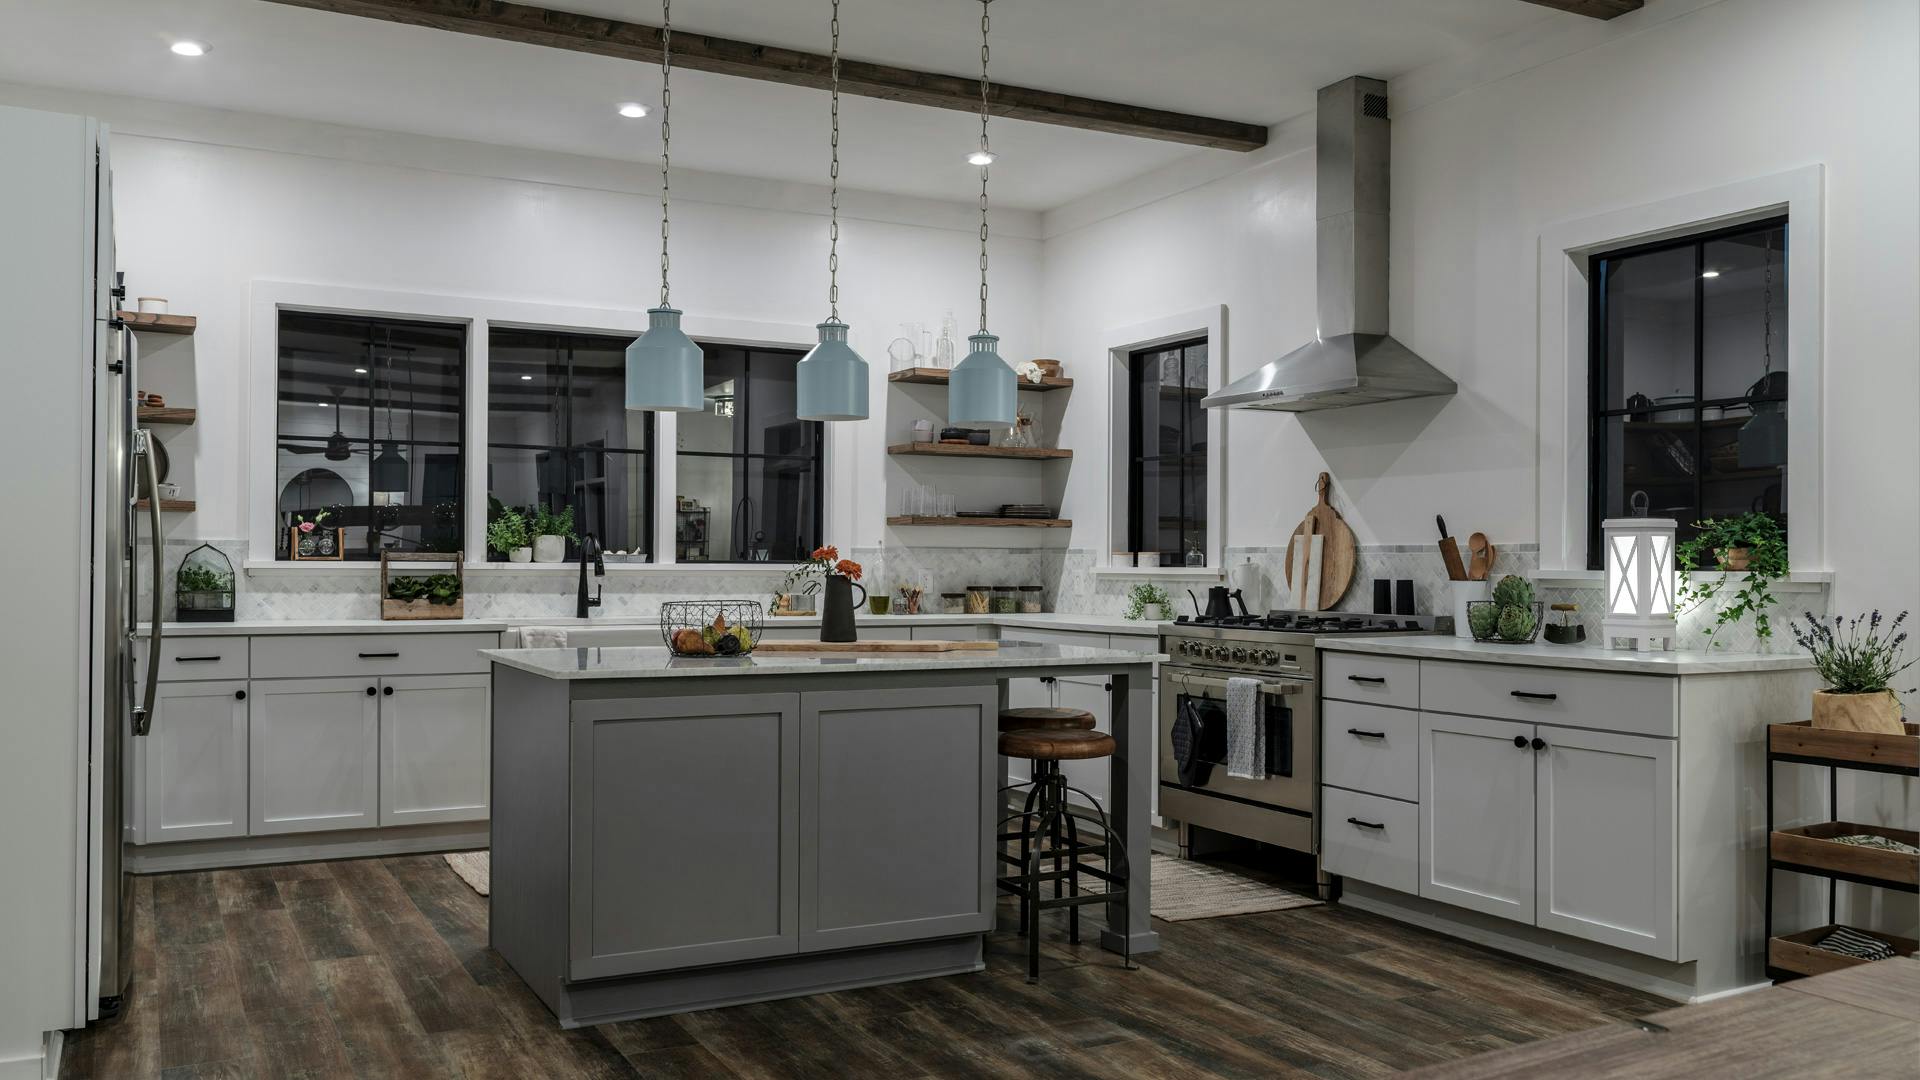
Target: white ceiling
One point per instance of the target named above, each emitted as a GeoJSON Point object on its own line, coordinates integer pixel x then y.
{"type": "Point", "coordinates": [1258, 61]}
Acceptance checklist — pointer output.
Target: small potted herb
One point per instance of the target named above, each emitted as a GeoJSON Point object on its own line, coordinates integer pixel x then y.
{"type": "Point", "coordinates": [1858, 668]}
{"type": "Point", "coordinates": [1147, 601]}
{"type": "Point", "coordinates": [1752, 545]}
{"type": "Point", "coordinates": [551, 531]}
{"type": "Point", "coordinates": [508, 534]}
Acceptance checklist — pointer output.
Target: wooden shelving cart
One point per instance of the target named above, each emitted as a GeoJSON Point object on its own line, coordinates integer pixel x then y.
{"type": "Point", "coordinates": [1812, 849]}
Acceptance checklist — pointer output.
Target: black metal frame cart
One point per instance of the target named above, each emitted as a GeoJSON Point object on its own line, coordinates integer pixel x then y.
{"type": "Point", "coordinates": [1813, 849]}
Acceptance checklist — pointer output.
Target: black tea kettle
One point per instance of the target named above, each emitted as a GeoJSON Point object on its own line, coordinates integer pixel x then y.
{"type": "Point", "coordinates": [1221, 601]}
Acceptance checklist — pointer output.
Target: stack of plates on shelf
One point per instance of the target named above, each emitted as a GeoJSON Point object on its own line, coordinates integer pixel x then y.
{"type": "Point", "coordinates": [977, 513]}
{"type": "Point", "coordinates": [1026, 510]}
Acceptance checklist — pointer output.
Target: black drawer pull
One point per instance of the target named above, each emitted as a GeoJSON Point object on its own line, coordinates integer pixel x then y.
{"type": "Point", "coordinates": [372, 691]}
{"type": "Point", "coordinates": [387, 690]}
{"type": "Point", "coordinates": [239, 695]}
{"type": "Point", "coordinates": [1520, 741]}
{"type": "Point", "coordinates": [1368, 679]}
{"type": "Point", "coordinates": [1539, 743]}
{"type": "Point", "coordinates": [1366, 734]}
{"type": "Point", "coordinates": [1365, 824]}
{"type": "Point", "coordinates": [379, 656]}
{"type": "Point", "coordinates": [195, 659]}
{"type": "Point", "coordinates": [1531, 696]}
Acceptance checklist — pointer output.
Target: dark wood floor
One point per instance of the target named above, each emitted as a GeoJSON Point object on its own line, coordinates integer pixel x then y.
{"type": "Point", "coordinates": [380, 967]}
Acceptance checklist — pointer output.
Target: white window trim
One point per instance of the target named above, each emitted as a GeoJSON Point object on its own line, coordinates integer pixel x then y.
{"type": "Point", "coordinates": [1563, 298]}
{"type": "Point", "coordinates": [1209, 322]}
{"type": "Point", "coordinates": [261, 389]}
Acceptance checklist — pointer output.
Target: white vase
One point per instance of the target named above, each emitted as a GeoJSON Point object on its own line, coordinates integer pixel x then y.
{"type": "Point", "coordinates": [549, 548]}
{"type": "Point", "coordinates": [1461, 592]}
{"type": "Point", "coordinates": [520, 554]}
{"type": "Point", "coordinates": [1152, 613]}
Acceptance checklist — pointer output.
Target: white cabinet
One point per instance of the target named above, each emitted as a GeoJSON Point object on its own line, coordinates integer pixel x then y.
{"type": "Point", "coordinates": [1477, 814]}
{"type": "Point", "coordinates": [191, 766]}
{"type": "Point", "coordinates": [434, 736]}
{"type": "Point", "coordinates": [314, 754]}
{"type": "Point", "coordinates": [1605, 839]}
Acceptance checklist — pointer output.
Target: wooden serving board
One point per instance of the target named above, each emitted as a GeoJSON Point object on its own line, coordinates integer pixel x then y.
{"type": "Point", "coordinates": [1337, 549]}
{"type": "Point", "coordinates": [923, 645]}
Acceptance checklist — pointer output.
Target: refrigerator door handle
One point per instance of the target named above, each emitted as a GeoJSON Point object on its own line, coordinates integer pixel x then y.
{"type": "Point", "coordinates": [143, 713]}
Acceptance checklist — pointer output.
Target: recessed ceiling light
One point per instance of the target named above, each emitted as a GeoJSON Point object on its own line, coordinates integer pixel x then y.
{"type": "Point", "coordinates": [1709, 273]}
{"type": "Point", "coordinates": [632, 110]}
{"type": "Point", "coordinates": [526, 378]}
{"type": "Point", "coordinates": [359, 371]}
{"type": "Point", "coordinates": [980, 157]}
{"type": "Point", "coordinates": [190, 48]}
{"type": "Point", "coordinates": [322, 404]}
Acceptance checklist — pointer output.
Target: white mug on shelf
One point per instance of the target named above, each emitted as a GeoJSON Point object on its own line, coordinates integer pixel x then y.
{"type": "Point", "coordinates": [152, 305]}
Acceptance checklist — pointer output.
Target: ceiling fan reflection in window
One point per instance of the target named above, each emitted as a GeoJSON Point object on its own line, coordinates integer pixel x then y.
{"type": "Point", "coordinates": [337, 447]}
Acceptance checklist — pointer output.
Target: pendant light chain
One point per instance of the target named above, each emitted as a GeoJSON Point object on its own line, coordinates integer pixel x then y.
{"type": "Point", "coordinates": [833, 175]}
{"type": "Point", "coordinates": [666, 135]}
{"type": "Point", "coordinates": [985, 25]}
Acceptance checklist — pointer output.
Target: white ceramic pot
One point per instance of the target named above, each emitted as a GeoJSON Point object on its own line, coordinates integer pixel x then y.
{"type": "Point", "coordinates": [1461, 592]}
{"type": "Point", "coordinates": [1152, 613]}
{"type": "Point", "coordinates": [549, 548]}
{"type": "Point", "coordinates": [521, 554]}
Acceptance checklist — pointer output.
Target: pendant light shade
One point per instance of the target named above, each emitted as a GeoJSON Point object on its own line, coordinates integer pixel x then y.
{"type": "Point", "coordinates": [832, 379]}
{"type": "Point", "coordinates": [665, 370]}
{"type": "Point", "coordinates": [389, 473]}
{"type": "Point", "coordinates": [981, 390]}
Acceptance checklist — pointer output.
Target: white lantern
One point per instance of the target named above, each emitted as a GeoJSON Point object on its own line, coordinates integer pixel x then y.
{"type": "Point", "coordinates": [1639, 564]}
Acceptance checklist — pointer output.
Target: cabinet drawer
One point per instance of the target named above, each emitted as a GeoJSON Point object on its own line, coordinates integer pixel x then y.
{"type": "Point", "coordinates": [312, 656]}
{"type": "Point", "coordinates": [967, 632]}
{"type": "Point", "coordinates": [1053, 637]}
{"type": "Point", "coordinates": [1368, 838]}
{"type": "Point", "coordinates": [1597, 700]}
{"type": "Point", "coordinates": [195, 658]}
{"type": "Point", "coordinates": [1379, 680]}
{"type": "Point", "coordinates": [1371, 748]}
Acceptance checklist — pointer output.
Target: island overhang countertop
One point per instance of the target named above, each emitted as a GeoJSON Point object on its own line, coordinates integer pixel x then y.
{"type": "Point", "coordinates": [655, 662]}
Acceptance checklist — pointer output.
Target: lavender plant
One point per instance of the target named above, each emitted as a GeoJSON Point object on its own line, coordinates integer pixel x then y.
{"type": "Point", "coordinates": [1853, 661]}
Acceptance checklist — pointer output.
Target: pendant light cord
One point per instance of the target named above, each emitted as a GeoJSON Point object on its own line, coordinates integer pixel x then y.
{"type": "Point", "coordinates": [833, 176]}
{"type": "Point", "coordinates": [985, 25]}
{"type": "Point", "coordinates": [666, 135]}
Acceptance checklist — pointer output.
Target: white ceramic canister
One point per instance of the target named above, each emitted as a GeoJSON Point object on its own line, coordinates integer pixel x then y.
{"type": "Point", "coordinates": [1462, 592]}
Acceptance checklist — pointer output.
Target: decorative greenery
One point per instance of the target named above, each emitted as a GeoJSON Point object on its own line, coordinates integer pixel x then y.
{"type": "Point", "coordinates": [811, 572]}
{"type": "Point", "coordinates": [1852, 662]}
{"type": "Point", "coordinates": [433, 588]}
{"type": "Point", "coordinates": [1511, 616]}
{"type": "Point", "coordinates": [305, 526]}
{"type": "Point", "coordinates": [548, 523]}
{"type": "Point", "coordinates": [507, 531]}
{"type": "Point", "coordinates": [1143, 594]}
{"type": "Point", "coordinates": [203, 579]}
{"type": "Point", "coordinates": [1766, 547]}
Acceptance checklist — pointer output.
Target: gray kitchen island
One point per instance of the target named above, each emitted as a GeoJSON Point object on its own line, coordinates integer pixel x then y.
{"type": "Point", "coordinates": [674, 833]}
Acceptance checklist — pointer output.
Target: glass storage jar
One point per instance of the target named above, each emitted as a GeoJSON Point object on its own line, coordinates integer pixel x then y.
{"type": "Point", "coordinates": [979, 600]}
{"type": "Point", "coordinates": [1005, 600]}
{"type": "Point", "coordinates": [953, 603]}
{"type": "Point", "coordinates": [1032, 599]}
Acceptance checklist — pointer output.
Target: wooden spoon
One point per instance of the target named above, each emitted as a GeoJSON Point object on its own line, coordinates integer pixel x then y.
{"type": "Point", "coordinates": [1482, 561]}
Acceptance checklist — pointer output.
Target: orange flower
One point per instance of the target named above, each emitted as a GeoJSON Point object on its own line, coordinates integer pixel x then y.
{"type": "Point", "coordinates": [849, 568]}
{"type": "Point", "coordinates": [826, 554]}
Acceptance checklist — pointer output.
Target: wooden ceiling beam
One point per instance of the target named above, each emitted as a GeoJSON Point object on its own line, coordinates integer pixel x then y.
{"type": "Point", "coordinates": [1593, 9]}
{"type": "Point", "coordinates": [703, 52]}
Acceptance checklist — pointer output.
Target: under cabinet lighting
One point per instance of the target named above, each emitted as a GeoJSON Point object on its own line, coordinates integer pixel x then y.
{"type": "Point", "coordinates": [1710, 273]}
{"type": "Point", "coordinates": [632, 110]}
{"type": "Point", "coordinates": [190, 48]}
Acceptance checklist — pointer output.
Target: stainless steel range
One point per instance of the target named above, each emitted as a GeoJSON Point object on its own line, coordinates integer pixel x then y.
{"type": "Point", "coordinates": [1279, 650]}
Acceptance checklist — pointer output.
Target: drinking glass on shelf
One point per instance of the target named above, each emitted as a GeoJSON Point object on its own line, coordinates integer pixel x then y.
{"type": "Point", "coordinates": [947, 506]}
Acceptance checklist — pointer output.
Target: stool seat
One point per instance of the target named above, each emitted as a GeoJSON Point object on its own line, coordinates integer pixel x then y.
{"type": "Point", "coordinates": [1045, 719]}
{"type": "Point", "coordinates": [1060, 745]}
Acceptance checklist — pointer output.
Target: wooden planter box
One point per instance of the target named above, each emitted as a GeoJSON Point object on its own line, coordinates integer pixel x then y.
{"type": "Point", "coordinates": [315, 545]}
{"type": "Point", "coordinates": [1796, 953]}
{"type": "Point", "coordinates": [1812, 846]}
{"type": "Point", "coordinates": [1845, 748]}
{"type": "Point", "coordinates": [421, 609]}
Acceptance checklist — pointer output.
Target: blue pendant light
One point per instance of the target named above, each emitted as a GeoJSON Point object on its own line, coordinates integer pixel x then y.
{"type": "Point", "coordinates": [831, 381]}
{"type": "Point", "coordinates": [666, 372]}
{"type": "Point", "coordinates": [981, 390]}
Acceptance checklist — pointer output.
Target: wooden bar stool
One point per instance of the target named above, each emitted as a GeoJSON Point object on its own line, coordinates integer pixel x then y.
{"type": "Point", "coordinates": [1041, 719]}
{"type": "Point", "coordinates": [1056, 823]}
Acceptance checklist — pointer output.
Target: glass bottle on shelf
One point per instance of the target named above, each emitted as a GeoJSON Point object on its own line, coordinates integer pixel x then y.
{"type": "Point", "coordinates": [944, 348]}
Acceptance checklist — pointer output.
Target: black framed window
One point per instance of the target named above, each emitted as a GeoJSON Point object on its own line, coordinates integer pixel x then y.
{"type": "Point", "coordinates": [1688, 362]}
{"type": "Point", "coordinates": [559, 435]}
{"type": "Point", "coordinates": [368, 432]}
{"type": "Point", "coordinates": [1167, 453]}
{"type": "Point", "coordinates": [750, 475]}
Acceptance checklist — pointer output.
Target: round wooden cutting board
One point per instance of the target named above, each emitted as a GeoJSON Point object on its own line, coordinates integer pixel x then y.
{"type": "Point", "coordinates": [1337, 550]}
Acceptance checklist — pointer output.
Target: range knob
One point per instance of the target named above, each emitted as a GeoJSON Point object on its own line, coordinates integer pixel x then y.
{"type": "Point", "coordinates": [1214, 652]}
{"type": "Point", "coordinates": [1240, 656]}
{"type": "Point", "coordinates": [1269, 657]}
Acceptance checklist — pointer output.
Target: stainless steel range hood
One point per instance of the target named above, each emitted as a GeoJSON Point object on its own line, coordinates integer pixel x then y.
{"type": "Point", "coordinates": [1352, 361]}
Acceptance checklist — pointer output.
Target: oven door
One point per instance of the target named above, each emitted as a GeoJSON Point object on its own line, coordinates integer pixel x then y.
{"type": "Point", "coordinates": [1286, 706]}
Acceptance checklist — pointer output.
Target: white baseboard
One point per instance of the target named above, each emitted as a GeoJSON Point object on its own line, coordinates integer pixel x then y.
{"type": "Point", "coordinates": [305, 847]}
{"type": "Point", "coordinates": [34, 1067]}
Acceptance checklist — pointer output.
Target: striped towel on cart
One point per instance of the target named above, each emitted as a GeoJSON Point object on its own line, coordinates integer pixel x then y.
{"type": "Point", "coordinates": [1856, 944]}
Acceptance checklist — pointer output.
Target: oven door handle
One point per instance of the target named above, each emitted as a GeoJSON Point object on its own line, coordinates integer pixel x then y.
{"type": "Point", "coordinates": [1281, 689]}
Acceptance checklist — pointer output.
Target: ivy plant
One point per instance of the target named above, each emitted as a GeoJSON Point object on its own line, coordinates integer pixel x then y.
{"type": "Point", "coordinates": [1143, 594]}
{"type": "Point", "coordinates": [1765, 544]}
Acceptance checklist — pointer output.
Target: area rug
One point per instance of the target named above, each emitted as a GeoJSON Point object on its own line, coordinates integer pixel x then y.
{"type": "Point", "coordinates": [473, 868]}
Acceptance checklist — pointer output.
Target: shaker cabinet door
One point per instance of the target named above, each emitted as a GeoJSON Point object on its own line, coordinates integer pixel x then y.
{"type": "Point", "coordinates": [1477, 814]}
{"type": "Point", "coordinates": [1606, 836]}
{"type": "Point", "coordinates": [191, 767]}
{"type": "Point", "coordinates": [434, 748]}
{"type": "Point", "coordinates": [314, 753]}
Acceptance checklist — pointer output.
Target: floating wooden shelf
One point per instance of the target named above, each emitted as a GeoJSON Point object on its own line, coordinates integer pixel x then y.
{"type": "Point", "coordinates": [937, 449]}
{"type": "Point", "coordinates": [1796, 952]}
{"type": "Point", "coordinates": [983, 522]}
{"type": "Point", "coordinates": [933, 376]}
{"type": "Point", "coordinates": [158, 324]}
{"type": "Point", "coordinates": [1812, 849]}
{"type": "Point", "coordinates": [171, 506]}
{"type": "Point", "coordinates": [167, 415]}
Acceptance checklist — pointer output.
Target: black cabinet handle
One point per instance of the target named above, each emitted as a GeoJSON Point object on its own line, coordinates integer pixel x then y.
{"type": "Point", "coordinates": [194, 659]}
{"type": "Point", "coordinates": [1366, 734]}
{"type": "Point", "coordinates": [379, 656]}
{"type": "Point", "coordinates": [1518, 740]}
{"type": "Point", "coordinates": [239, 695]}
{"type": "Point", "coordinates": [372, 691]}
{"type": "Point", "coordinates": [1365, 824]}
{"type": "Point", "coordinates": [1531, 696]}
{"type": "Point", "coordinates": [1539, 744]}
{"type": "Point", "coordinates": [387, 690]}
{"type": "Point", "coordinates": [1108, 688]}
{"type": "Point", "coordinates": [1367, 678]}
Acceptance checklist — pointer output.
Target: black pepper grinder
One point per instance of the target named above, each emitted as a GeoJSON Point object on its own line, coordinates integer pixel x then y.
{"type": "Point", "coordinates": [1403, 597]}
{"type": "Point", "coordinates": [1382, 596]}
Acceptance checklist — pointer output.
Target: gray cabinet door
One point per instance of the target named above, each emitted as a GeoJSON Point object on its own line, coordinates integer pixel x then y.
{"type": "Point", "coordinates": [1605, 836]}
{"type": "Point", "coordinates": [191, 769]}
{"type": "Point", "coordinates": [313, 755]}
{"type": "Point", "coordinates": [1476, 814]}
{"type": "Point", "coordinates": [434, 748]}
{"type": "Point", "coordinates": [685, 832]}
{"type": "Point", "coordinates": [896, 814]}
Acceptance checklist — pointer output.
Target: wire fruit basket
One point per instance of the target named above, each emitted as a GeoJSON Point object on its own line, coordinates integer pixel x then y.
{"type": "Point", "coordinates": [711, 627]}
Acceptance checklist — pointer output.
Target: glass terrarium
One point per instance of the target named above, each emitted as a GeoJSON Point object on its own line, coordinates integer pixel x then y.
{"type": "Point", "coordinates": [203, 587]}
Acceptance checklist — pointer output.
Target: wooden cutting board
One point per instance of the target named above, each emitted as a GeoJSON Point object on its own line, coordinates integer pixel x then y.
{"type": "Point", "coordinates": [923, 645]}
{"type": "Point", "coordinates": [1336, 551]}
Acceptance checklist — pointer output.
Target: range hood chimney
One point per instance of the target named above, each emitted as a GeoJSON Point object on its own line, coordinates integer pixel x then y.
{"type": "Point", "coordinates": [1351, 361]}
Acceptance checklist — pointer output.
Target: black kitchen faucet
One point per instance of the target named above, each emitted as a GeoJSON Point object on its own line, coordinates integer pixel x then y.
{"type": "Point", "coordinates": [589, 548]}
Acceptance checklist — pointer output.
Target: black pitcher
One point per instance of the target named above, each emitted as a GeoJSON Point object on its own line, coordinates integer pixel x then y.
{"type": "Point", "coordinates": [836, 608]}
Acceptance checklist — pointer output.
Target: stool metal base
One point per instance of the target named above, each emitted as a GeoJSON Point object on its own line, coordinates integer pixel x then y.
{"type": "Point", "coordinates": [1054, 821]}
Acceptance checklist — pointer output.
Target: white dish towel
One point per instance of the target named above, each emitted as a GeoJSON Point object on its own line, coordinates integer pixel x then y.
{"type": "Point", "coordinates": [1246, 735]}
{"type": "Point", "coordinates": [543, 637]}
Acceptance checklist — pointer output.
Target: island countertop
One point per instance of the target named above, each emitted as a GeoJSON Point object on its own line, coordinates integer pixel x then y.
{"type": "Point", "coordinates": [657, 663]}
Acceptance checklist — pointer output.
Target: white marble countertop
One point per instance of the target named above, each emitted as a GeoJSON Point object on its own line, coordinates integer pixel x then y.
{"type": "Point", "coordinates": [658, 663]}
{"type": "Point", "coordinates": [1052, 620]}
{"type": "Point", "coordinates": [1589, 657]}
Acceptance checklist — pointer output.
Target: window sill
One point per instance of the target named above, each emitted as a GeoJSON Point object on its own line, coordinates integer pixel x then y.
{"type": "Point", "coordinates": [1172, 573]}
{"type": "Point", "coordinates": [1800, 581]}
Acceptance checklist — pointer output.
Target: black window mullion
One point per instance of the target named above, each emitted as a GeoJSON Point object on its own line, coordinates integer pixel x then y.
{"type": "Point", "coordinates": [1699, 383]}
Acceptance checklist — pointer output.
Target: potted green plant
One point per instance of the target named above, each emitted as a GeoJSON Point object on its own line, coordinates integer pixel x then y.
{"type": "Point", "coordinates": [551, 531]}
{"type": "Point", "coordinates": [1751, 545]}
{"type": "Point", "coordinates": [1147, 601]}
{"type": "Point", "coordinates": [508, 533]}
{"type": "Point", "coordinates": [1857, 668]}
